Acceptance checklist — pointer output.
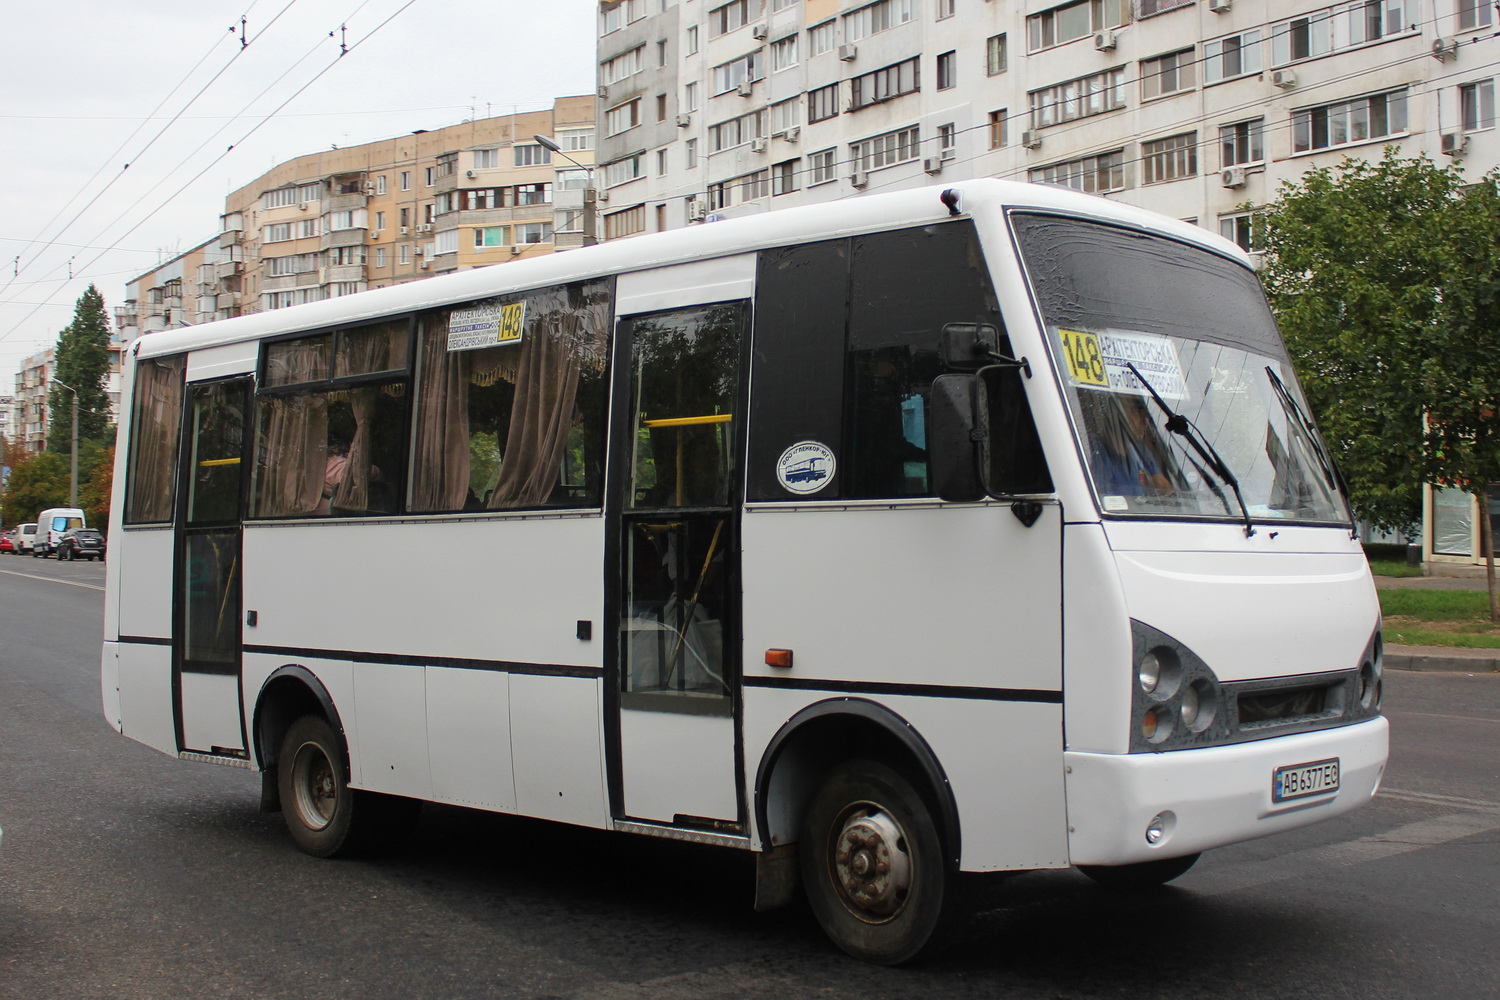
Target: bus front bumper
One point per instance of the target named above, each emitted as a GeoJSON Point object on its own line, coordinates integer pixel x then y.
{"type": "Point", "coordinates": [1126, 808]}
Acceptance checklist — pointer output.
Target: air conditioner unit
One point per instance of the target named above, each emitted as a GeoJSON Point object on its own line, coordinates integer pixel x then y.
{"type": "Point", "coordinates": [859, 178]}
{"type": "Point", "coordinates": [1233, 177]}
{"type": "Point", "coordinates": [792, 134]}
{"type": "Point", "coordinates": [425, 227]}
{"type": "Point", "coordinates": [515, 249]}
{"type": "Point", "coordinates": [1031, 139]}
{"type": "Point", "coordinates": [757, 145]}
{"type": "Point", "coordinates": [1105, 40]}
{"type": "Point", "coordinates": [419, 251]}
{"type": "Point", "coordinates": [1218, 6]}
{"type": "Point", "coordinates": [759, 31]}
{"type": "Point", "coordinates": [424, 265]}
{"type": "Point", "coordinates": [745, 89]}
{"type": "Point", "coordinates": [1453, 143]}
{"type": "Point", "coordinates": [848, 52]}
{"type": "Point", "coordinates": [683, 121]}
{"type": "Point", "coordinates": [933, 164]}
{"type": "Point", "coordinates": [1444, 49]}
{"type": "Point", "coordinates": [469, 174]}
{"type": "Point", "coordinates": [405, 230]}
{"type": "Point", "coordinates": [302, 207]}
{"type": "Point", "coordinates": [697, 210]}
{"type": "Point", "coordinates": [599, 195]}
{"type": "Point", "coordinates": [604, 93]}
{"type": "Point", "coordinates": [1284, 78]}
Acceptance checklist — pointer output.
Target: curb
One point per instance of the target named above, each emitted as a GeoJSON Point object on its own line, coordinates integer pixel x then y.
{"type": "Point", "coordinates": [1442, 658]}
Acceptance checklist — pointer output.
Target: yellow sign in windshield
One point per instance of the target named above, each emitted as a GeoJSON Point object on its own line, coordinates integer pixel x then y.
{"type": "Point", "coordinates": [1085, 360]}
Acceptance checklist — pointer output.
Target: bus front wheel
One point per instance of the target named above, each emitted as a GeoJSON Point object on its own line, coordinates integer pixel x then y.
{"type": "Point", "coordinates": [316, 801]}
{"type": "Point", "coordinates": [872, 864]}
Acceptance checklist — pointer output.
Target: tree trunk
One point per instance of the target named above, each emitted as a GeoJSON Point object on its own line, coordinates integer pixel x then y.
{"type": "Point", "coordinates": [1487, 543]}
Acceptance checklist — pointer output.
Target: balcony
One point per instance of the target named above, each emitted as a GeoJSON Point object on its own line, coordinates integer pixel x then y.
{"type": "Point", "coordinates": [341, 272]}
{"type": "Point", "coordinates": [344, 238]}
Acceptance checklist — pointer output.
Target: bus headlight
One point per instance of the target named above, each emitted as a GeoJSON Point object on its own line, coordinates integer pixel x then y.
{"type": "Point", "coordinates": [1177, 701]}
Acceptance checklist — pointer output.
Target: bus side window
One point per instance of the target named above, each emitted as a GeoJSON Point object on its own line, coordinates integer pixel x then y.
{"type": "Point", "coordinates": [155, 424]}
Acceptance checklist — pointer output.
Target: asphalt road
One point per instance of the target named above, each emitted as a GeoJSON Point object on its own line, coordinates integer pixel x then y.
{"type": "Point", "coordinates": [127, 874]}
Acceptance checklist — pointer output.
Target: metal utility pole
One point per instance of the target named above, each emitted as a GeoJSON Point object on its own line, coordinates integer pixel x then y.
{"type": "Point", "coordinates": [73, 464]}
{"type": "Point", "coordinates": [590, 195]}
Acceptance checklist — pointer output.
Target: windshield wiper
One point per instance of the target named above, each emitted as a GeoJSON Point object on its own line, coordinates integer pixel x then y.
{"type": "Point", "coordinates": [1179, 424]}
{"type": "Point", "coordinates": [1299, 418]}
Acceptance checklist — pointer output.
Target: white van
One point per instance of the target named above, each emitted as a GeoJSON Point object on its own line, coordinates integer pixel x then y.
{"type": "Point", "coordinates": [51, 524]}
{"type": "Point", "coordinates": [25, 538]}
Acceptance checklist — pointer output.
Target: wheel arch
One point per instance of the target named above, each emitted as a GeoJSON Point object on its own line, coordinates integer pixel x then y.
{"type": "Point", "coordinates": [827, 733]}
{"type": "Point", "coordinates": [291, 692]}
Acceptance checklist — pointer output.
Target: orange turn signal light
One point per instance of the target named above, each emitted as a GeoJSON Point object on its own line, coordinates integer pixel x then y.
{"type": "Point", "coordinates": [778, 657]}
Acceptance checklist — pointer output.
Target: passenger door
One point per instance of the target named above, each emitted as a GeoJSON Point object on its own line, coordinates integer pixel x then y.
{"type": "Point", "coordinates": [207, 584]}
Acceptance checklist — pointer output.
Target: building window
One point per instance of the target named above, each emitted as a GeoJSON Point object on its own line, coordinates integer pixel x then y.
{"type": "Point", "coordinates": [1149, 7]}
{"type": "Point", "coordinates": [887, 149]}
{"type": "Point", "coordinates": [1474, 14]}
{"type": "Point", "coordinates": [1340, 27]}
{"type": "Point", "coordinates": [1074, 20]}
{"type": "Point", "coordinates": [727, 18]}
{"type": "Point", "coordinates": [1241, 143]}
{"type": "Point", "coordinates": [784, 177]}
{"type": "Point", "coordinates": [533, 194]}
{"type": "Point", "coordinates": [1226, 58]}
{"type": "Point", "coordinates": [1089, 95]}
{"type": "Point", "coordinates": [754, 185]}
{"type": "Point", "coordinates": [1168, 74]}
{"type": "Point", "coordinates": [379, 221]}
{"type": "Point", "coordinates": [405, 253]}
{"type": "Point", "coordinates": [661, 163]}
{"type": "Point", "coordinates": [492, 236]}
{"type": "Point", "coordinates": [947, 70]}
{"type": "Point", "coordinates": [572, 180]}
{"type": "Point", "coordinates": [623, 65]}
{"type": "Point", "coordinates": [822, 103]}
{"type": "Point", "coordinates": [1091, 174]}
{"type": "Point", "coordinates": [406, 180]}
{"type": "Point", "coordinates": [405, 219]}
{"type": "Point", "coordinates": [690, 153]}
{"type": "Point", "coordinates": [784, 53]}
{"type": "Point", "coordinates": [997, 128]}
{"type": "Point", "coordinates": [822, 37]}
{"type": "Point", "coordinates": [534, 232]}
{"type": "Point", "coordinates": [883, 84]}
{"type": "Point", "coordinates": [822, 167]}
{"type": "Point", "coordinates": [1477, 105]}
{"type": "Point", "coordinates": [690, 96]}
{"type": "Point", "coordinates": [622, 171]}
{"type": "Point", "coordinates": [1169, 159]}
{"type": "Point", "coordinates": [947, 140]}
{"type": "Point", "coordinates": [429, 176]}
{"type": "Point", "coordinates": [785, 115]}
{"type": "Point", "coordinates": [533, 155]}
{"type": "Point", "coordinates": [1239, 228]}
{"type": "Point", "coordinates": [380, 184]}
{"type": "Point", "coordinates": [736, 131]}
{"type": "Point", "coordinates": [1349, 122]}
{"type": "Point", "coordinates": [380, 256]}
{"type": "Point", "coordinates": [620, 118]}
{"type": "Point", "coordinates": [626, 223]}
{"type": "Point", "coordinates": [692, 40]}
{"type": "Point", "coordinates": [944, 9]}
{"type": "Point", "coordinates": [877, 17]}
{"type": "Point", "coordinates": [661, 107]}
{"type": "Point", "coordinates": [486, 159]}
{"type": "Point", "coordinates": [996, 55]}
{"type": "Point", "coordinates": [661, 53]}
{"type": "Point", "coordinates": [746, 69]}
{"type": "Point", "coordinates": [296, 195]}
{"type": "Point", "coordinates": [575, 139]}
{"type": "Point", "coordinates": [445, 242]}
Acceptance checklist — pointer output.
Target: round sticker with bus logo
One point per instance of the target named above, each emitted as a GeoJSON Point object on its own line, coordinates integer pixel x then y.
{"type": "Point", "coordinates": [806, 467]}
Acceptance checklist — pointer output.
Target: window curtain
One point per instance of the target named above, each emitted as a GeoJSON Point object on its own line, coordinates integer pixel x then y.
{"type": "Point", "coordinates": [560, 336]}
{"type": "Point", "coordinates": [441, 476]}
{"type": "Point", "coordinates": [294, 437]}
{"type": "Point", "coordinates": [158, 423]}
{"type": "Point", "coordinates": [362, 354]}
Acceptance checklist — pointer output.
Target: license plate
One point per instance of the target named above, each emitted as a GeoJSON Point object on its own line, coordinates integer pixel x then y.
{"type": "Point", "coordinates": [1298, 781]}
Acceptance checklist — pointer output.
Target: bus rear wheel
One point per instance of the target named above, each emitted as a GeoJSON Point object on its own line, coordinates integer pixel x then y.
{"type": "Point", "coordinates": [1141, 875]}
{"type": "Point", "coordinates": [316, 800]}
{"type": "Point", "coordinates": [872, 865]}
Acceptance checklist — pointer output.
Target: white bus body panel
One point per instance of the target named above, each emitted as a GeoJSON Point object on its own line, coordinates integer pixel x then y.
{"type": "Point", "coordinates": [143, 560]}
{"type": "Point", "coordinates": [721, 279]}
{"type": "Point", "coordinates": [677, 764]}
{"type": "Point", "coordinates": [1216, 796]}
{"type": "Point", "coordinates": [468, 719]}
{"type": "Point", "coordinates": [211, 712]}
{"type": "Point", "coordinates": [390, 713]}
{"type": "Point", "coordinates": [145, 695]}
{"type": "Point", "coordinates": [222, 362]}
{"type": "Point", "coordinates": [558, 747]}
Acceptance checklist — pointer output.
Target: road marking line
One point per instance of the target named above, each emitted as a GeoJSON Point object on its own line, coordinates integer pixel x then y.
{"type": "Point", "coordinates": [1377, 847]}
{"type": "Point", "coordinates": [1457, 718]}
{"type": "Point", "coordinates": [49, 579]}
{"type": "Point", "coordinates": [1432, 799]}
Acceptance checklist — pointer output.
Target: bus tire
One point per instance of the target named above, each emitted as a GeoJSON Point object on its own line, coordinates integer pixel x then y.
{"type": "Point", "coordinates": [872, 864]}
{"type": "Point", "coordinates": [316, 800]}
{"type": "Point", "coordinates": [1142, 874]}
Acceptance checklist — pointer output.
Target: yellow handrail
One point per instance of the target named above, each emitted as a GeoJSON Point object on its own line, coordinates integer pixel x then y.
{"type": "Point", "coordinates": [713, 418]}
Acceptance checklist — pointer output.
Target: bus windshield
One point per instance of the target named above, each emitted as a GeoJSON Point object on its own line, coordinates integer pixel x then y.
{"type": "Point", "coordinates": [1179, 386]}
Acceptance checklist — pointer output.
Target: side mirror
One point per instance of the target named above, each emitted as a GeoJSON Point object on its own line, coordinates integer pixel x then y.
{"type": "Point", "coordinates": [969, 345]}
{"type": "Point", "coordinates": [957, 437]}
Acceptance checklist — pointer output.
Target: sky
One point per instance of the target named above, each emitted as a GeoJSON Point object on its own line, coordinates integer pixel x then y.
{"type": "Point", "coordinates": [168, 87]}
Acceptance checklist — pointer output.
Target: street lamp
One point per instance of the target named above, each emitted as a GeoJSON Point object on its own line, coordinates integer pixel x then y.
{"type": "Point", "coordinates": [590, 196]}
{"type": "Point", "coordinates": [73, 468]}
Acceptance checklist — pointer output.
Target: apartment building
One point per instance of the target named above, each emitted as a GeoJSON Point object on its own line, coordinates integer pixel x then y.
{"type": "Point", "coordinates": [28, 418]}
{"type": "Point", "coordinates": [344, 220]}
{"type": "Point", "coordinates": [1194, 108]}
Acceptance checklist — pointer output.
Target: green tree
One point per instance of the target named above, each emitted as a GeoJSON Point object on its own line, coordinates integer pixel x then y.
{"type": "Point", "coordinates": [82, 362]}
{"type": "Point", "coordinates": [35, 484]}
{"type": "Point", "coordinates": [95, 492]}
{"type": "Point", "coordinates": [1385, 278]}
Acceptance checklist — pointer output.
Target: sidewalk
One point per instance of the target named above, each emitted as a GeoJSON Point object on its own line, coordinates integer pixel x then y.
{"type": "Point", "coordinates": [1449, 658]}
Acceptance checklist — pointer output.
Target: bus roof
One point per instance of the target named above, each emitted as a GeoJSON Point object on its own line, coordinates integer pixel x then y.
{"type": "Point", "coordinates": [825, 220]}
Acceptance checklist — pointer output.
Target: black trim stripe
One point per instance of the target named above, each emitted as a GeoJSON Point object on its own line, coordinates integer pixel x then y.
{"type": "Point", "coordinates": [406, 660]}
{"type": "Point", "coordinates": [145, 640]}
{"type": "Point", "coordinates": [909, 690]}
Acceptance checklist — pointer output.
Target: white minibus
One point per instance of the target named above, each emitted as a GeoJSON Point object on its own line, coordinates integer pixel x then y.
{"type": "Point", "coordinates": [898, 541]}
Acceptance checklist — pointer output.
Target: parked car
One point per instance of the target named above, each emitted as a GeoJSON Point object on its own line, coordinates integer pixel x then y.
{"type": "Point", "coordinates": [7, 540]}
{"type": "Point", "coordinates": [51, 524]}
{"type": "Point", "coordinates": [25, 539]}
{"type": "Point", "coordinates": [80, 543]}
